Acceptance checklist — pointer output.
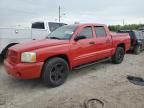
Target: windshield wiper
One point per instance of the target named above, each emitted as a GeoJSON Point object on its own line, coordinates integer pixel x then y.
{"type": "Point", "coordinates": [54, 38]}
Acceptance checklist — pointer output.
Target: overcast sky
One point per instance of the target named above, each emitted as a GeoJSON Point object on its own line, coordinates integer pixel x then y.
{"type": "Point", "coordinates": [24, 12]}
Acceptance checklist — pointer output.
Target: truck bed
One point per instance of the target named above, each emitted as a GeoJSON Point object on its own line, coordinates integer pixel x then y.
{"type": "Point", "coordinates": [121, 38]}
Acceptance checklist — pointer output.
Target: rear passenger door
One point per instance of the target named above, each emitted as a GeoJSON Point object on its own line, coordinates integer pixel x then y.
{"type": "Point", "coordinates": [103, 42]}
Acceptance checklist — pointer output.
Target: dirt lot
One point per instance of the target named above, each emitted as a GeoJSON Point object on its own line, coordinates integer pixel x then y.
{"type": "Point", "coordinates": [104, 81]}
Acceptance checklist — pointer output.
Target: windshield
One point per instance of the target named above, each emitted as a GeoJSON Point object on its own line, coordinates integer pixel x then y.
{"type": "Point", "coordinates": [53, 25]}
{"type": "Point", "coordinates": [63, 33]}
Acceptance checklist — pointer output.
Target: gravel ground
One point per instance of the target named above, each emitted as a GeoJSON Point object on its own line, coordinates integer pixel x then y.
{"type": "Point", "coordinates": [104, 81]}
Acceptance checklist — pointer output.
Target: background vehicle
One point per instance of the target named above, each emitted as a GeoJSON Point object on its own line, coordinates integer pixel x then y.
{"type": "Point", "coordinates": [137, 40]}
{"type": "Point", "coordinates": [68, 47]}
{"type": "Point", "coordinates": [12, 36]}
{"type": "Point", "coordinates": [141, 29]}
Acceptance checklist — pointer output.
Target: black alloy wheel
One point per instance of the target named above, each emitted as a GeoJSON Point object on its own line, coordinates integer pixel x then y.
{"type": "Point", "coordinates": [119, 55]}
{"type": "Point", "coordinates": [55, 72]}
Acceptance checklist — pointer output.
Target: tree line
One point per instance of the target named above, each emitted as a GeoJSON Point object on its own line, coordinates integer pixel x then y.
{"type": "Point", "coordinates": [116, 28]}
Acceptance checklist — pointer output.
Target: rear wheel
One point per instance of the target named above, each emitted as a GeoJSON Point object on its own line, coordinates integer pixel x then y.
{"type": "Point", "coordinates": [55, 72]}
{"type": "Point", "coordinates": [137, 49]}
{"type": "Point", "coordinates": [119, 55]}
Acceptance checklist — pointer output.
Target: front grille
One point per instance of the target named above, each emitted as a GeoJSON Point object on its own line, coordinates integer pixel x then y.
{"type": "Point", "coordinates": [12, 56]}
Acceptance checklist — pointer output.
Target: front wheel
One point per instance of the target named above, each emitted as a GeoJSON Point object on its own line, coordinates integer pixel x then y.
{"type": "Point", "coordinates": [55, 72]}
{"type": "Point", "coordinates": [119, 55]}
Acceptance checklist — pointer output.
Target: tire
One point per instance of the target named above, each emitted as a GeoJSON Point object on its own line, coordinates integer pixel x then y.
{"type": "Point", "coordinates": [3, 55]}
{"type": "Point", "coordinates": [119, 56]}
{"type": "Point", "coordinates": [1, 58]}
{"type": "Point", "coordinates": [4, 52]}
{"type": "Point", "coordinates": [137, 49]}
{"type": "Point", "coordinates": [55, 72]}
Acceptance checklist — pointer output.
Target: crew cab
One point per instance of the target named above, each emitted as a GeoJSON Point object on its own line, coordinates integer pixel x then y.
{"type": "Point", "coordinates": [66, 48]}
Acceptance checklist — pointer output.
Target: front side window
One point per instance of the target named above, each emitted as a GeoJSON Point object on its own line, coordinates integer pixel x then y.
{"type": "Point", "coordinates": [100, 31]}
{"type": "Point", "coordinates": [86, 32]}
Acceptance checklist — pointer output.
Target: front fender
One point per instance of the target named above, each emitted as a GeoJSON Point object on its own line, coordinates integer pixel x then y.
{"type": "Point", "coordinates": [47, 52]}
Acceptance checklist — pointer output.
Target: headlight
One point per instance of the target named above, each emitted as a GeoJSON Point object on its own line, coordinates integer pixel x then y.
{"type": "Point", "coordinates": [29, 57]}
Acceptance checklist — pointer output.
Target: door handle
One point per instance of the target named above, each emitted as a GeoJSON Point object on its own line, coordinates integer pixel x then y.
{"type": "Point", "coordinates": [92, 42]}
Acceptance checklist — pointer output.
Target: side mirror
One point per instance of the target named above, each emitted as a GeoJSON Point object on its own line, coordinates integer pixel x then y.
{"type": "Point", "coordinates": [79, 38]}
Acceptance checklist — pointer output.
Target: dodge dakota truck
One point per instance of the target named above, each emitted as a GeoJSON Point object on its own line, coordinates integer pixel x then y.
{"type": "Point", "coordinates": [66, 48]}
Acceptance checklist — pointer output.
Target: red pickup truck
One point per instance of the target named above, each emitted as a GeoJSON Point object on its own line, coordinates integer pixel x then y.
{"type": "Point", "coordinates": [63, 50]}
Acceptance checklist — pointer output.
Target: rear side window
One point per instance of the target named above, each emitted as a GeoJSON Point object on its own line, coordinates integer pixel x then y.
{"type": "Point", "coordinates": [38, 25]}
{"type": "Point", "coordinates": [100, 31]}
{"type": "Point", "coordinates": [87, 32]}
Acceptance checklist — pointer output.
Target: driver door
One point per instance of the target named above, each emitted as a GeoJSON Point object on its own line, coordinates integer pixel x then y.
{"type": "Point", "coordinates": [83, 49]}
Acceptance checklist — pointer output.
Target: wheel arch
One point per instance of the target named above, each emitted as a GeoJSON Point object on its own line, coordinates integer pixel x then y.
{"type": "Point", "coordinates": [4, 51]}
{"type": "Point", "coordinates": [122, 45]}
{"type": "Point", "coordinates": [63, 56]}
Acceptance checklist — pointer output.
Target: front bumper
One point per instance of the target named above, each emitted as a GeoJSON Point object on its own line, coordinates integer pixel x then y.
{"type": "Point", "coordinates": [24, 70]}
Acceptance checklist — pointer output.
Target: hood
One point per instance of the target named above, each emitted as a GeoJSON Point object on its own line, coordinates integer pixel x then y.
{"type": "Point", "coordinates": [37, 44]}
